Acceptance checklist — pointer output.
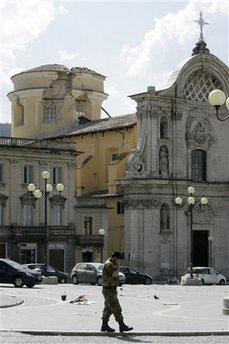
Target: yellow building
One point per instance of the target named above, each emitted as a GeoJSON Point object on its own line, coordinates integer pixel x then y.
{"type": "Point", "coordinates": [54, 102]}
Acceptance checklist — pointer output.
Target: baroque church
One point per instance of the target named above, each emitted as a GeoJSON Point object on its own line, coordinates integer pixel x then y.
{"type": "Point", "coordinates": [129, 169]}
{"type": "Point", "coordinates": [180, 144]}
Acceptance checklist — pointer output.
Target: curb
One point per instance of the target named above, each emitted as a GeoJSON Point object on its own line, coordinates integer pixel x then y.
{"type": "Point", "coordinates": [124, 334]}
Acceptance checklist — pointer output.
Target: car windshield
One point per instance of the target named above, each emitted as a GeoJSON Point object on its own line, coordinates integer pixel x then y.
{"type": "Point", "coordinates": [50, 269]}
{"type": "Point", "coordinates": [132, 271]}
{"type": "Point", "coordinates": [16, 265]}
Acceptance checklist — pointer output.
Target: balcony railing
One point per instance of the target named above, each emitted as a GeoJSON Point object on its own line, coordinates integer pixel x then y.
{"type": "Point", "coordinates": [90, 202]}
{"type": "Point", "coordinates": [86, 240]}
{"type": "Point", "coordinates": [37, 231]}
{"type": "Point", "coordinates": [37, 144]}
{"type": "Point", "coordinates": [28, 231]}
{"type": "Point", "coordinates": [61, 230]}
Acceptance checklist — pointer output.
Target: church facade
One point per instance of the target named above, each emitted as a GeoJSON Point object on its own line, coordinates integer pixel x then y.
{"type": "Point", "coordinates": [181, 143]}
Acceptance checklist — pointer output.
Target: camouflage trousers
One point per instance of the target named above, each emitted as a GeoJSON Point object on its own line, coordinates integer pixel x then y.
{"type": "Point", "coordinates": [112, 305]}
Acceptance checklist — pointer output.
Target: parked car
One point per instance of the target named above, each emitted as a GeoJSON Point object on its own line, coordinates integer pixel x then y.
{"type": "Point", "coordinates": [207, 275]}
{"type": "Point", "coordinates": [12, 272]}
{"type": "Point", "coordinates": [91, 273]}
{"type": "Point", "coordinates": [135, 277]}
{"type": "Point", "coordinates": [48, 270]}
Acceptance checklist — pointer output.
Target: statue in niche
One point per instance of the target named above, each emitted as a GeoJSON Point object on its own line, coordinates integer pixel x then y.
{"type": "Point", "coordinates": [164, 161]}
{"type": "Point", "coordinates": [164, 218]}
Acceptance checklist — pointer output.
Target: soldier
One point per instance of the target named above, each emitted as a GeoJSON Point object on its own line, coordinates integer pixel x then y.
{"type": "Point", "coordinates": [110, 284]}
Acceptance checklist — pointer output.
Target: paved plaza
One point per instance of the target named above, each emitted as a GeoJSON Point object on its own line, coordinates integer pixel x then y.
{"type": "Point", "coordinates": [18, 338]}
{"type": "Point", "coordinates": [179, 309]}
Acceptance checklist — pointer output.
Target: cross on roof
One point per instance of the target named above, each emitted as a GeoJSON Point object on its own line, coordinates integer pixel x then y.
{"type": "Point", "coordinates": [201, 22]}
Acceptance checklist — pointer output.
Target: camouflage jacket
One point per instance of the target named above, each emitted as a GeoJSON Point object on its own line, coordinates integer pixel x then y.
{"type": "Point", "coordinates": [110, 274]}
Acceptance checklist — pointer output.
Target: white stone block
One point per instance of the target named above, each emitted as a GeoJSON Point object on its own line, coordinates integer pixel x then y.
{"type": "Point", "coordinates": [49, 280]}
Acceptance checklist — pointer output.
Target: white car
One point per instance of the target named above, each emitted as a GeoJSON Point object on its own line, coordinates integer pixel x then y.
{"type": "Point", "coordinates": [207, 275]}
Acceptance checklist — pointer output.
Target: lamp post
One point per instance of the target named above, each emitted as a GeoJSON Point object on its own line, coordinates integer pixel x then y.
{"type": "Point", "coordinates": [217, 98]}
{"type": "Point", "coordinates": [191, 202]}
{"type": "Point", "coordinates": [102, 233]}
{"type": "Point", "coordinates": [45, 193]}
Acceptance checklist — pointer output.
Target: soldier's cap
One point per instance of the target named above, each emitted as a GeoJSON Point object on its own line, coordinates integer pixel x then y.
{"type": "Point", "coordinates": [117, 254]}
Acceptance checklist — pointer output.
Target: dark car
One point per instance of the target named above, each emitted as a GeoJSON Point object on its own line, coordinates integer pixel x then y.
{"type": "Point", "coordinates": [12, 272]}
{"type": "Point", "coordinates": [91, 273]}
{"type": "Point", "coordinates": [48, 270]}
{"type": "Point", "coordinates": [135, 277]}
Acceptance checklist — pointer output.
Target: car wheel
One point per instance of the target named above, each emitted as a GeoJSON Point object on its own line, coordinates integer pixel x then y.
{"type": "Point", "coordinates": [75, 280]}
{"type": "Point", "coordinates": [148, 281]}
{"type": "Point", "coordinates": [18, 282]}
{"type": "Point", "coordinates": [202, 280]}
{"type": "Point", "coordinates": [222, 282]}
{"type": "Point", "coordinates": [30, 285]}
{"type": "Point", "coordinates": [62, 280]}
{"type": "Point", "coordinates": [99, 281]}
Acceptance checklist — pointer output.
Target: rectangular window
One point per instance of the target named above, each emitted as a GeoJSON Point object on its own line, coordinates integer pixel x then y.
{"type": "Point", "coordinates": [50, 113]}
{"type": "Point", "coordinates": [114, 156]}
{"type": "Point", "coordinates": [28, 174]}
{"type": "Point", "coordinates": [57, 175]}
{"type": "Point", "coordinates": [120, 208]}
{"type": "Point", "coordinates": [1, 173]}
{"type": "Point", "coordinates": [28, 215]}
{"type": "Point", "coordinates": [88, 225]}
{"type": "Point", "coordinates": [199, 165]}
{"type": "Point", "coordinates": [57, 215]}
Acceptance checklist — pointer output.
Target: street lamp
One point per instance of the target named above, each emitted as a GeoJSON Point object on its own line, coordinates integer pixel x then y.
{"type": "Point", "coordinates": [217, 98]}
{"type": "Point", "coordinates": [191, 202]}
{"type": "Point", "coordinates": [39, 194]}
{"type": "Point", "coordinates": [102, 233]}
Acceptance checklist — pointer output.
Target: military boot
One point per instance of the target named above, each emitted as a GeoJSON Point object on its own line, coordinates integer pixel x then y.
{"type": "Point", "coordinates": [124, 328]}
{"type": "Point", "coordinates": [106, 328]}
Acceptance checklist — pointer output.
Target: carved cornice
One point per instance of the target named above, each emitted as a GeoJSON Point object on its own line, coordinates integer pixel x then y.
{"type": "Point", "coordinates": [28, 198]}
{"type": "Point", "coordinates": [57, 200]}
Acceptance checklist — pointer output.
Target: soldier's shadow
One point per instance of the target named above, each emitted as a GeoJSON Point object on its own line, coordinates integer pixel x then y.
{"type": "Point", "coordinates": [130, 339]}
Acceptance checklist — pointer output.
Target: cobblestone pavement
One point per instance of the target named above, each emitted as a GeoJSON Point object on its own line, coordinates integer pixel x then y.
{"type": "Point", "coordinates": [18, 338]}
{"type": "Point", "coordinates": [186, 309]}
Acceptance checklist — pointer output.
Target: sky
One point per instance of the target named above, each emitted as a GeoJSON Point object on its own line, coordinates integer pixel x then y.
{"type": "Point", "coordinates": [135, 44]}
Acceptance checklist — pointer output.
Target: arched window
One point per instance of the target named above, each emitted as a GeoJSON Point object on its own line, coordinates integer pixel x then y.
{"type": "Point", "coordinates": [199, 165]}
{"type": "Point", "coordinates": [163, 128]}
{"type": "Point", "coordinates": [164, 218]}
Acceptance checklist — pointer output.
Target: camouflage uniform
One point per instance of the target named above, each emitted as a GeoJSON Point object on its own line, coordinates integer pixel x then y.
{"type": "Point", "coordinates": [110, 283]}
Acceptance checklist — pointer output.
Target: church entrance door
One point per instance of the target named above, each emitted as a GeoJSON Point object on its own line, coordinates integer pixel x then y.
{"type": "Point", "coordinates": [87, 256]}
{"type": "Point", "coordinates": [200, 248]}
